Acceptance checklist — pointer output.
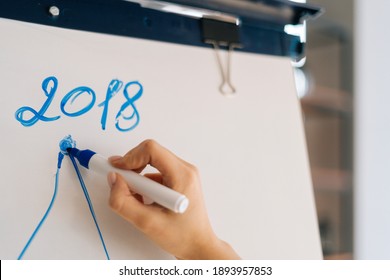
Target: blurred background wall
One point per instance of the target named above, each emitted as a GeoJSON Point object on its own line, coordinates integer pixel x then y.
{"type": "Point", "coordinates": [347, 121]}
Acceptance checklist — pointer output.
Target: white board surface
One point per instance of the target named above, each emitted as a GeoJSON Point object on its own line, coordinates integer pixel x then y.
{"type": "Point", "coordinates": [250, 149]}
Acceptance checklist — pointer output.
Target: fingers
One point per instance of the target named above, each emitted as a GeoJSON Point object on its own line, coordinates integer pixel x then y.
{"type": "Point", "coordinates": [155, 177]}
{"type": "Point", "coordinates": [123, 202]}
{"type": "Point", "coordinates": [148, 152]}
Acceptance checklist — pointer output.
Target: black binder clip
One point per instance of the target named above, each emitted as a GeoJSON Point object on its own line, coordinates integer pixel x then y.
{"type": "Point", "coordinates": [222, 31]}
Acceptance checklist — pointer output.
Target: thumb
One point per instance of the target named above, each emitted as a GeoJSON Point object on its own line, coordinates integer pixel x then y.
{"type": "Point", "coordinates": [124, 203]}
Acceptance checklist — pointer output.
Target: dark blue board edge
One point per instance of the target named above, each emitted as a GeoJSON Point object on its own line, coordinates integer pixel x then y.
{"type": "Point", "coordinates": [122, 18]}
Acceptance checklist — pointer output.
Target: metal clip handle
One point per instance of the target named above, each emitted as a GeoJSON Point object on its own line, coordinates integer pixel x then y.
{"type": "Point", "coordinates": [226, 87]}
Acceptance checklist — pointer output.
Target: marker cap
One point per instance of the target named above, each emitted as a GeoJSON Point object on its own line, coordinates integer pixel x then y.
{"type": "Point", "coordinates": [181, 204]}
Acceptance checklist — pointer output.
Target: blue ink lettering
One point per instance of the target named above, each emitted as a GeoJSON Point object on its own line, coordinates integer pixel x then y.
{"type": "Point", "coordinates": [72, 95]}
{"type": "Point", "coordinates": [112, 90]}
{"type": "Point", "coordinates": [126, 119]}
{"type": "Point", "coordinates": [129, 103]}
{"type": "Point", "coordinates": [49, 86]}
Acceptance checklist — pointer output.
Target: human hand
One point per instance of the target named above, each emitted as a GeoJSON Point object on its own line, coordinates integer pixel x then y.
{"type": "Point", "coordinates": [186, 236]}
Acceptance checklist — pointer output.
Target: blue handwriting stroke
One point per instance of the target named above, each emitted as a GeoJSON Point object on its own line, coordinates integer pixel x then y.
{"type": "Point", "coordinates": [129, 103]}
{"type": "Point", "coordinates": [49, 86]}
{"type": "Point", "coordinates": [126, 119]}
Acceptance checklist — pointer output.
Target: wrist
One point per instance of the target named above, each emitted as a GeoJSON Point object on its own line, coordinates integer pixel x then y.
{"type": "Point", "coordinates": [222, 251]}
{"type": "Point", "coordinates": [212, 248]}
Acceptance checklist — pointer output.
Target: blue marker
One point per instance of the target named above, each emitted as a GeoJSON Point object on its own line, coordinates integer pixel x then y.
{"type": "Point", "coordinates": [144, 186]}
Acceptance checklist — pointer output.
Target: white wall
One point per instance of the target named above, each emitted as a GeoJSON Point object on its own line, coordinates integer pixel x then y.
{"type": "Point", "coordinates": [372, 130]}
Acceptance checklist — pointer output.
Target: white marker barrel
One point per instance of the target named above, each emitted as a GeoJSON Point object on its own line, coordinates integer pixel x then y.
{"type": "Point", "coordinates": [142, 185]}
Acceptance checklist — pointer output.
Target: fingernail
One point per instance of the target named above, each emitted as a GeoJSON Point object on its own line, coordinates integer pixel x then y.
{"type": "Point", "coordinates": [114, 158]}
{"type": "Point", "coordinates": [111, 178]}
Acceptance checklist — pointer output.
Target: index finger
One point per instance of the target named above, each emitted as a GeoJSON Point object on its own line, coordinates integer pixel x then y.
{"type": "Point", "coordinates": [149, 152]}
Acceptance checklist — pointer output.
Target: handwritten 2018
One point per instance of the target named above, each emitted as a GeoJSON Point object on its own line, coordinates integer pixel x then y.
{"type": "Point", "coordinates": [124, 121]}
